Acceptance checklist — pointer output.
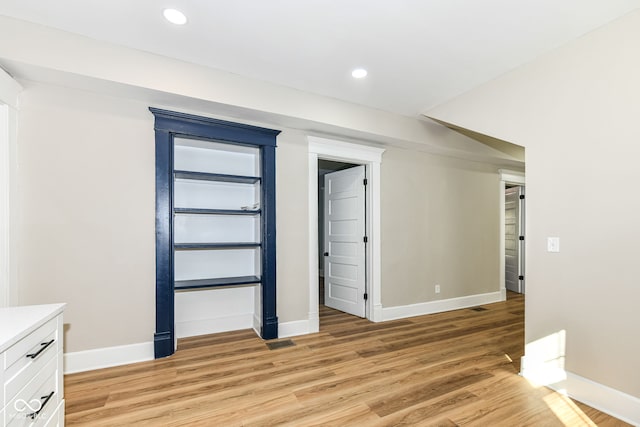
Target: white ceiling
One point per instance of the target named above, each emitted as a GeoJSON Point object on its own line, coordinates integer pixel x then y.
{"type": "Point", "coordinates": [419, 53]}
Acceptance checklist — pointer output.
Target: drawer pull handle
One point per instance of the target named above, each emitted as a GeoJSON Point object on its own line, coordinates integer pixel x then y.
{"type": "Point", "coordinates": [43, 348]}
{"type": "Point", "coordinates": [46, 398]}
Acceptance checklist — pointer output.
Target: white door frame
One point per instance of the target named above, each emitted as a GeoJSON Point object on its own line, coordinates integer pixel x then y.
{"type": "Point", "coordinates": [9, 90]}
{"type": "Point", "coordinates": [514, 178]}
{"type": "Point", "coordinates": [371, 157]}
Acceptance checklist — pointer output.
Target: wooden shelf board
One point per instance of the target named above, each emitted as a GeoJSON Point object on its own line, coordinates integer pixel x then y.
{"type": "Point", "coordinates": [214, 283]}
{"type": "Point", "coordinates": [225, 245]}
{"type": "Point", "coordinates": [199, 211]}
{"type": "Point", "coordinates": [203, 176]}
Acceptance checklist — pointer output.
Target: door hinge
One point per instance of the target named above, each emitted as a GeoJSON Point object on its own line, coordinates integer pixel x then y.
{"type": "Point", "coordinates": [366, 296]}
{"type": "Point", "coordinates": [365, 239]}
{"type": "Point", "coordinates": [520, 277]}
{"type": "Point", "coordinates": [521, 238]}
{"type": "Point", "coordinates": [326, 254]}
{"type": "Point", "coordinates": [365, 182]}
{"type": "Point", "coordinates": [522, 197]}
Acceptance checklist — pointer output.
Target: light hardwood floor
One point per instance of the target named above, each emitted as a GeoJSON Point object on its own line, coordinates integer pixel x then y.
{"type": "Point", "coordinates": [455, 368]}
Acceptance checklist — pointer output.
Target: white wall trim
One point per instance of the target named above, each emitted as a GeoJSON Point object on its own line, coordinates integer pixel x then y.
{"type": "Point", "coordinates": [502, 274]}
{"type": "Point", "coordinates": [506, 177]}
{"type": "Point", "coordinates": [430, 307]}
{"type": "Point", "coordinates": [596, 395]}
{"type": "Point", "coordinates": [371, 157]}
{"type": "Point", "coordinates": [512, 177]}
{"type": "Point", "coordinates": [107, 357]}
{"type": "Point", "coordinates": [257, 324]}
{"type": "Point", "coordinates": [9, 90]}
{"type": "Point", "coordinates": [314, 316]}
{"type": "Point", "coordinates": [5, 202]}
{"type": "Point", "coordinates": [294, 328]}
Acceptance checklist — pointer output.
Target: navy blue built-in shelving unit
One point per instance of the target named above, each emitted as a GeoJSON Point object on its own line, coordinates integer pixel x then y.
{"type": "Point", "coordinates": [169, 125]}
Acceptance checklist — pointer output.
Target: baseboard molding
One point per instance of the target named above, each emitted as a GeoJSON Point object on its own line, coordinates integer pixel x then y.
{"type": "Point", "coordinates": [292, 329]}
{"type": "Point", "coordinates": [194, 328]}
{"type": "Point", "coordinates": [403, 311]}
{"type": "Point", "coordinates": [606, 399]}
{"type": "Point", "coordinates": [314, 322]}
{"type": "Point", "coordinates": [107, 357]}
{"type": "Point", "coordinates": [257, 324]}
{"type": "Point", "coordinates": [377, 314]}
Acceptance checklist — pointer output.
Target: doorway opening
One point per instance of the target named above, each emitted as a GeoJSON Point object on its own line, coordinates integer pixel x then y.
{"type": "Point", "coordinates": [370, 159]}
{"type": "Point", "coordinates": [342, 236]}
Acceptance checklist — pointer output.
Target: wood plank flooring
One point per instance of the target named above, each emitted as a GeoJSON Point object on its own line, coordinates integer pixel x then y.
{"type": "Point", "coordinates": [455, 368]}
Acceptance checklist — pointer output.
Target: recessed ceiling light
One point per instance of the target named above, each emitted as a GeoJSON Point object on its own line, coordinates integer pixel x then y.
{"type": "Point", "coordinates": [359, 73]}
{"type": "Point", "coordinates": [175, 16]}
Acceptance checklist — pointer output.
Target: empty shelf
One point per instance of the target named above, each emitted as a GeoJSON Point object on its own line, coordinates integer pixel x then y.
{"type": "Point", "coordinates": [198, 211]}
{"type": "Point", "coordinates": [228, 245]}
{"type": "Point", "coordinates": [213, 283]}
{"type": "Point", "coordinates": [203, 176]}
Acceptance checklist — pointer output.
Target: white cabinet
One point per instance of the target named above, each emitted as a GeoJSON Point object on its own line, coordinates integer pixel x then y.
{"type": "Point", "coordinates": [31, 372]}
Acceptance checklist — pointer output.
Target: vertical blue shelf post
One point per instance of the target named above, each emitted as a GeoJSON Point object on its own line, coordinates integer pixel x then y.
{"type": "Point", "coordinates": [269, 318]}
{"type": "Point", "coordinates": [163, 339]}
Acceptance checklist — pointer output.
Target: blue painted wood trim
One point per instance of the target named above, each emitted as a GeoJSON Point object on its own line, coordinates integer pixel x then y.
{"type": "Point", "coordinates": [164, 336]}
{"type": "Point", "coordinates": [269, 317]}
{"type": "Point", "coordinates": [204, 127]}
{"type": "Point", "coordinates": [167, 125]}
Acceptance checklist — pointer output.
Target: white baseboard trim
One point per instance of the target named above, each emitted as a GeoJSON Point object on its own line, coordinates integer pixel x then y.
{"type": "Point", "coordinates": [194, 328]}
{"type": "Point", "coordinates": [88, 360]}
{"type": "Point", "coordinates": [606, 399]}
{"type": "Point", "coordinates": [503, 294]}
{"type": "Point", "coordinates": [257, 324]}
{"type": "Point", "coordinates": [377, 315]}
{"type": "Point", "coordinates": [297, 327]}
{"type": "Point", "coordinates": [107, 357]}
{"type": "Point", "coordinates": [314, 322]}
{"type": "Point", "coordinates": [403, 311]}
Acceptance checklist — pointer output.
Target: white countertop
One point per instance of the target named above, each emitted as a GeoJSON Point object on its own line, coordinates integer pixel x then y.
{"type": "Point", "coordinates": [18, 322]}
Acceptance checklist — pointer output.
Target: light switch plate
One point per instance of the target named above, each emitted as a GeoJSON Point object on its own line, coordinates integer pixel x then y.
{"type": "Point", "coordinates": [553, 244]}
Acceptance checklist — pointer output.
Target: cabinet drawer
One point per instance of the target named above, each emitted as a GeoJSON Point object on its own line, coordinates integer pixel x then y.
{"type": "Point", "coordinates": [28, 356]}
{"type": "Point", "coordinates": [37, 401]}
{"type": "Point", "coordinates": [31, 344]}
{"type": "Point", "coordinates": [57, 418]}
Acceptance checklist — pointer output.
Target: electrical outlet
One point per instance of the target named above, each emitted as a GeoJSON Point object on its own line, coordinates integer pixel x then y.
{"type": "Point", "coordinates": [437, 289]}
{"type": "Point", "coordinates": [553, 244]}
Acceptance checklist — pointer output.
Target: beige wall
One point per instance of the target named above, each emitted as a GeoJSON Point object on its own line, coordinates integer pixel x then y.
{"type": "Point", "coordinates": [576, 111]}
{"type": "Point", "coordinates": [86, 181]}
{"type": "Point", "coordinates": [87, 212]}
{"type": "Point", "coordinates": [86, 178]}
{"type": "Point", "coordinates": [440, 225]}
{"type": "Point", "coordinates": [292, 230]}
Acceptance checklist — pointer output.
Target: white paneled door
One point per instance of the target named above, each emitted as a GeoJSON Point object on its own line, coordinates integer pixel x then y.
{"type": "Point", "coordinates": [514, 239]}
{"type": "Point", "coordinates": [344, 237]}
